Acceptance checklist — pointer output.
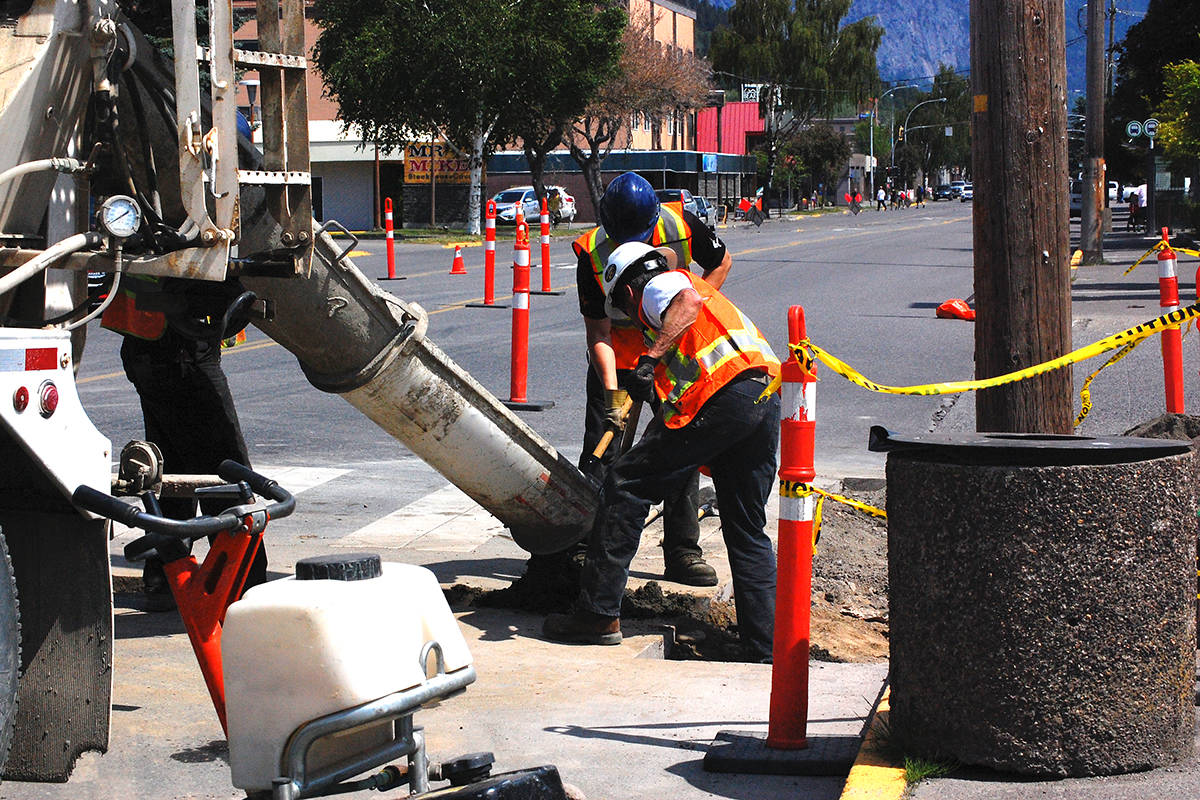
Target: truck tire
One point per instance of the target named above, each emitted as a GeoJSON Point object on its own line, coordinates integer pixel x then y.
{"type": "Point", "coordinates": [10, 650]}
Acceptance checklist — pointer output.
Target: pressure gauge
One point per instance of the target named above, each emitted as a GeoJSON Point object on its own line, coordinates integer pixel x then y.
{"type": "Point", "coordinates": [120, 216]}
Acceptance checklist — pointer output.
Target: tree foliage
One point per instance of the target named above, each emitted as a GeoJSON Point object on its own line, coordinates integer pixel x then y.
{"type": "Point", "coordinates": [1179, 111]}
{"type": "Point", "coordinates": [820, 151]}
{"type": "Point", "coordinates": [469, 70]}
{"type": "Point", "coordinates": [806, 60]}
{"type": "Point", "coordinates": [1168, 34]}
{"type": "Point", "coordinates": [929, 148]}
{"type": "Point", "coordinates": [650, 80]}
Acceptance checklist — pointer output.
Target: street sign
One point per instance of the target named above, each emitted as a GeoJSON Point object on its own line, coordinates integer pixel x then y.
{"type": "Point", "coordinates": [1133, 129]}
{"type": "Point", "coordinates": [1150, 127]}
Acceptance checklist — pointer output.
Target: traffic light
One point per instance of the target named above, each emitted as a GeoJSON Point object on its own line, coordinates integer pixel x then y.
{"type": "Point", "coordinates": [900, 134]}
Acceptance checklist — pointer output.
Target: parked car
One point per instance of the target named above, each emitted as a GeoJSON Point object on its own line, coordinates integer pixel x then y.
{"type": "Point", "coordinates": [1114, 189]}
{"type": "Point", "coordinates": [517, 197]}
{"type": "Point", "coordinates": [704, 211]}
{"type": "Point", "coordinates": [943, 191]}
{"type": "Point", "coordinates": [678, 196]}
{"type": "Point", "coordinates": [1075, 198]}
{"type": "Point", "coordinates": [968, 193]}
{"type": "Point", "coordinates": [956, 187]}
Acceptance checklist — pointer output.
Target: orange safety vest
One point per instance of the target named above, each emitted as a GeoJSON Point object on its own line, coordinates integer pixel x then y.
{"type": "Point", "coordinates": [721, 344]}
{"type": "Point", "coordinates": [123, 315]}
{"type": "Point", "coordinates": [671, 231]}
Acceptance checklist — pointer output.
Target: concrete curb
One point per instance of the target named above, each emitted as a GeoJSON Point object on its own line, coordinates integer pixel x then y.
{"type": "Point", "coordinates": [874, 776]}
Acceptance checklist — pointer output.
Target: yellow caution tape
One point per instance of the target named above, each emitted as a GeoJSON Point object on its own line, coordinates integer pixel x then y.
{"type": "Point", "coordinates": [798, 489]}
{"type": "Point", "coordinates": [1134, 334]}
{"type": "Point", "coordinates": [1161, 245]}
{"type": "Point", "coordinates": [1157, 246]}
{"type": "Point", "coordinates": [1085, 394]}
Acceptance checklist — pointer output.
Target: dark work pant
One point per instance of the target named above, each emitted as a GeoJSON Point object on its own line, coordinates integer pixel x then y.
{"type": "Point", "coordinates": [681, 528]}
{"type": "Point", "coordinates": [738, 440]}
{"type": "Point", "coordinates": [188, 412]}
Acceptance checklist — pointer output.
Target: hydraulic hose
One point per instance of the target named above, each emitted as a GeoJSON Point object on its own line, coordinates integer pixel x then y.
{"type": "Point", "coordinates": [69, 245]}
{"type": "Point", "coordinates": [64, 165]}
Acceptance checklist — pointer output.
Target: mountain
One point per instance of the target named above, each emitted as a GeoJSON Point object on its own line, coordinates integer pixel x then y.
{"type": "Point", "coordinates": [921, 34]}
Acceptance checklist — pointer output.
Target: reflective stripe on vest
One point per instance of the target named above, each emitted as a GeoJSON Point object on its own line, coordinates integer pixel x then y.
{"type": "Point", "coordinates": [671, 231]}
{"type": "Point", "coordinates": [719, 345]}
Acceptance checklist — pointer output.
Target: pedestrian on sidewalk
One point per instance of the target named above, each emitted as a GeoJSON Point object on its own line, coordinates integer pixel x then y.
{"type": "Point", "coordinates": [707, 365]}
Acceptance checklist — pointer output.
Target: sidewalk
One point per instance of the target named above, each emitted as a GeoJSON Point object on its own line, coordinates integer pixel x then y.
{"type": "Point", "coordinates": [619, 722]}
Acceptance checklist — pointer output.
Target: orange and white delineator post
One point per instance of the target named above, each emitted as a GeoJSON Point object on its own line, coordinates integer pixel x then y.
{"type": "Point", "coordinates": [545, 225]}
{"type": "Point", "coordinates": [788, 720]}
{"type": "Point", "coordinates": [1172, 338]}
{"type": "Point", "coordinates": [390, 236]}
{"type": "Point", "coordinates": [489, 254]}
{"type": "Point", "coordinates": [520, 313]}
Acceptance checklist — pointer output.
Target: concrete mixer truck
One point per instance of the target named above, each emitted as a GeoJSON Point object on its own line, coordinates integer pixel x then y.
{"type": "Point", "coordinates": [117, 163]}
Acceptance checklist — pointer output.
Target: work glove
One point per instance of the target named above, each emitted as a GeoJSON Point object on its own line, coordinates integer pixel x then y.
{"type": "Point", "coordinates": [614, 408]}
{"type": "Point", "coordinates": [641, 382]}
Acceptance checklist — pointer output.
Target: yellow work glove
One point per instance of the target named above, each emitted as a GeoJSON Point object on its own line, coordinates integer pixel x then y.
{"type": "Point", "coordinates": [614, 408]}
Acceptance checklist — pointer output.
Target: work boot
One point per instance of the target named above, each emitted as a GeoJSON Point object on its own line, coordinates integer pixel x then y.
{"type": "Point", "coordinates": [582, 627]}
{"type": "Point", "coordinates": [690, 569]}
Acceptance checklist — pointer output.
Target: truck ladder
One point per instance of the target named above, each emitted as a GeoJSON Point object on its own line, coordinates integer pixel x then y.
{"type": "Point", "coordinates": [208, 164]}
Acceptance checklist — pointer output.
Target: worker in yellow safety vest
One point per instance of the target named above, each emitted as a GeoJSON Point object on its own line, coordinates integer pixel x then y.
{"type": "Point", "coordinates": [187, 410]}
{"type": "Point", "coordinates": [630, 211]}
{"type": "Point", "coordinates": [707, 365]}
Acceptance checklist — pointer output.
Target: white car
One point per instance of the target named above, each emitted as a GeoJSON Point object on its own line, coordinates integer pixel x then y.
{"type": "Point", "coordinates": [968, 193]}
{"type": "Point", "coordinates": [956, 188]}
{"type": "Point", "coordinates": [525, 198]}
{"type": "Point", "coordinates": [518, 197]}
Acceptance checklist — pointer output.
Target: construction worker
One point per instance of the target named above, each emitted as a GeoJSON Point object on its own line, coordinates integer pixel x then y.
{"type": "Point", "coordinates": [630, 211]}
{"type": "Point", "coordinates": [708, 366]}
{"type": "Point", "coordinates": [187, 410]}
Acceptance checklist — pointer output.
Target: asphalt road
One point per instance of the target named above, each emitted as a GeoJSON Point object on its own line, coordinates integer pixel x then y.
{"type": "Point", "coordinates": [868, 283]}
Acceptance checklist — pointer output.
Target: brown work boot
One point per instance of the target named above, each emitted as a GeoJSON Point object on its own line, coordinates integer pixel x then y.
{"type": "Point", "coordinates": [582, 627]}
{"type": "Point", "coordinates": [691, 570]}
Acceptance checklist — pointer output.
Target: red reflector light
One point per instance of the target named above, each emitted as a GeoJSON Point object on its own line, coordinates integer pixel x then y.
{"type": "Point", "coordinates": [48, 398]}
{"type": "Point", "coordinates": [21, 399]}
{"type": "Point", "coordinates": [41, 358]}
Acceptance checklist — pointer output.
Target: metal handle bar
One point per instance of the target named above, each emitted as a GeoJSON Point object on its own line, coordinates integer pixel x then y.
{"type": "Point", "coordinates": [104, 504]}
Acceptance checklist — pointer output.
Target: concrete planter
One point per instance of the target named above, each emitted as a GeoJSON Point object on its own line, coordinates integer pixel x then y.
{"type": "Point", "coordinates": [1043, 616]}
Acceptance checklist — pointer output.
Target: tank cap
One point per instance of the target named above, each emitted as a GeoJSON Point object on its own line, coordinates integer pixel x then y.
{"type": "Point", "coordinates": [347, 567]}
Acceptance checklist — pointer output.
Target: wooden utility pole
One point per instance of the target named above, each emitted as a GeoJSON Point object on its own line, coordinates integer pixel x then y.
{"type": "Point", "coordinates": [1095, 187]}
{"type": "Point", "coordinates": [1019, 157]}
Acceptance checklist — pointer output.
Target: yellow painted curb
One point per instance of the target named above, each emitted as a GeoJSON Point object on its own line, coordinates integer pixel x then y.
{"type": "Point", "coordinates": [358, 253]}
{"type": "Point", "coordinates": [448, 245]}
{"type": "Point", "coordinates": [873, 776]}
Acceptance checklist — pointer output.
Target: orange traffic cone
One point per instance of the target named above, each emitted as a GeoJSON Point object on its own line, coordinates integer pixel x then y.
{"type": "Point", "coordinates": [459, 267]}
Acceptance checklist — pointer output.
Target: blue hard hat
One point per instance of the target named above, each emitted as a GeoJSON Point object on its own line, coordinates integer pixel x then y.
{"type": "Point", "coordinates": [629, 208]}
{"type": "Point", "coordinates": [243, 126]}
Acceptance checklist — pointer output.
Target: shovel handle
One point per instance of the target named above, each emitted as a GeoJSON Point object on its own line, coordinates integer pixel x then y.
{"type": "Point", "coordinates": [610, 434]}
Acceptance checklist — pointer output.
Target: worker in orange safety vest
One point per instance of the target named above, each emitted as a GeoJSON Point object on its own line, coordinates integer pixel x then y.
{"type": "Point", "coordinates": [707, 365]}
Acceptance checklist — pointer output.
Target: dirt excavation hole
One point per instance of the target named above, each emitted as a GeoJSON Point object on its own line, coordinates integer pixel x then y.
{"type": "Point", "coordinates": [849, 608]}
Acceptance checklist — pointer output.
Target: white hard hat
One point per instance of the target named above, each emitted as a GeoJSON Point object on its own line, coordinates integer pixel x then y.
{"type": "Point", "coordinates": [625, 262]}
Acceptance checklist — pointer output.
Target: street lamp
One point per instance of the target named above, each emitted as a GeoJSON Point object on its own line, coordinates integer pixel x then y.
{"type": "Point", "coordinates": [874, 111]}
{"type": "Point", "coordinates": [907, 118]}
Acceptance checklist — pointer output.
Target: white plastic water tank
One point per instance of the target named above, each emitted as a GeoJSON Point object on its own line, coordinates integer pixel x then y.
{"type": "Point", "coordinates": [345, 631]}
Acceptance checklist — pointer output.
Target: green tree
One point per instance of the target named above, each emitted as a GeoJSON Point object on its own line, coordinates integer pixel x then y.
{"type": "Point", "coordinates": [1168, 34]}
{"type": "Point", "coordinates": [650, 82]}
{"type": "Point", "coordinates": [556, 50]}
{"type": "Point", "coordinates": [823, 153]}
{"type": "Point", "coordinates": [1179, 111]}
{"type": "Point", "coordinates": [805, 60]}
{"type": "Point", "coordinates": [465, 70]}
